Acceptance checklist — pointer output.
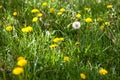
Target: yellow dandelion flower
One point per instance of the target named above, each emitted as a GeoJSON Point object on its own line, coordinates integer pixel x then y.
{"type": "Point", "coordinates": [107, 23]}
{"type": "Point", "coordinates": [44, 4]}
{"type": "Point", "coordinates": [1, 6]}
{"type": "Point", "coordinates": [59, 13]}
{"type": "Point", "coordinates": [52, 10]}
{"type": "Point", "coordinates": [61, 39]}
{"type": "Point", "coordinates": [66, 58]}
{"type": "Point", "coordinates": [40, 15]}
{"type": "Point", "coordinates": [22, 62]}
{"type": "Point", "coordinates": [103, 71]}
{"type": "Point", "coordinates": [17, 70]}
{"type": "Point", "coordinates": [53, 46]}
{"type": "Point", "coordinates": [20, 58]}
{"type": "Point", "coordinates": [58, 39]}
{"type": "Point", "coordinates": [53, 0]}
{"type": "Point", "coordinates": [88, 20]}
{"type": "Point", "coordinates": [30, 29]}
{"type": "Point", "coordinates": [109, 6]}
{"type": "Point", "coordinates": [34, 11]}
{"type": "Point", "coordinates": [27, 29]}
{"type": "Point", "coordinates": [78, 15]}
{"type": "Point", "coordinates": [102, 28]}
{"type": "Point", "coordinates": [62, 10]}
{"type": "Point", "coordinates": [9, 28]}
{"type": "Point", "coordinates": [35, 19]}
{"type": "Point", "coordinates": [77, 43]}
{"type": "Point", "coordinates": [99, 19]}
{"type": "Point", "coordinates": [14, 13]}
{"type": "Point", "coordinates": [24, 30]}
{"type": "Point", "coordinates": [83, 76]}
{"type": "Point", "coordinates": [86, 8]}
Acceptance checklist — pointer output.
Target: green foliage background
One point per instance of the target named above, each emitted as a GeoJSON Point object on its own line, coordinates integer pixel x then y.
{"type": "Point", "coordinates": [97, 49]}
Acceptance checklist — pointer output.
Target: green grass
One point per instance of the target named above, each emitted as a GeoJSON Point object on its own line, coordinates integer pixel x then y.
{"type": "Point", "coordinates": [97, 49]}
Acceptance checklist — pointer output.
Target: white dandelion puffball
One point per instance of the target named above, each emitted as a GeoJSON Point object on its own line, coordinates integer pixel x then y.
{"type": "Point", "coordinates": [76, 25]}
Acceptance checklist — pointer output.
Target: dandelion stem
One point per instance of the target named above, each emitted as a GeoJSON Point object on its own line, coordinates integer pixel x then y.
{"type": "Point", "coordinates": [4, 77]}
{"type": "Point", "coordinates": [78, 32]}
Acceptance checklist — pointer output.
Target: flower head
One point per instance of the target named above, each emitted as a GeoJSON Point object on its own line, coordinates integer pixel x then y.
{"type": "Point", "coordinates": [107, 23]}
{"type": "Point", "coordinates": [40, 15]}
{"type": "Point", "coordinates": [109, 6]}
{"type": "Point", "coordinates": [83, 76]}
{"type": "Point", "coordinates": [103, 71]}
{"type": "Point", "coordinates": [78, 15]}
{"type": "Point", "coordinates": [102, 28]}
{"type": "Point", "coordinates": [9, 28]}
{"type": "Point", "coordinates": [58, 39]}
{"type": "Point", "coordinates": [88, 20]}
{"type": "Point", "coordinates": [59, 13]}
{"type": "Point", "coordinates": [99, 19]}
{"type": "Point", "coordinates": [14, 13]}
{"type": "Point", "coordinates": [76, 25]}
{"type": "Point", "coordinates": [20, 58]}
{"type": "Point", "coordinates": [77, 43]}
{"type": "Point", "coordinates": [44, 4]}
{"type": "Point", "coordinates": [1, 6]}
{"type": "Point", "coordinates": [62, 10]}
{"type": "Point", "coordinates": [35, 19]}
{"type": "Point", "coordinates": [66, 58]}
{"type": "Point", "coordinates": [53, 0]}
{"type": "Point", "coordinates": [86, 8]}
{"type": "Point", "coordinates": [34, 11]}
{"type": "Point", "coordinates": [17, 70]}
{"type": "Point", "coordinates": [27, 29]}
{"type": "Point", "coordinates": [52, 10]}
{"type": "Point", "coordinates": [22, 62]}
{"type": "Point", "coordinates": [53, 46]}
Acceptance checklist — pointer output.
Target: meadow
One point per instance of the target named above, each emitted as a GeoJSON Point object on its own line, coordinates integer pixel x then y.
{"type": "Point", "coordinates": [59, 39]}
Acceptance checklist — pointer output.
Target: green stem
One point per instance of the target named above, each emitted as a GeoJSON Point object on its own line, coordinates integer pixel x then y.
{"type": "Point", "coordinates": [4, 76]}
{"type": "Point", "coordinates": [20, 78]}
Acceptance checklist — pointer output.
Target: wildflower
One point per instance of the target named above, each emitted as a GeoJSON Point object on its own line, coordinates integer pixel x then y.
{"type": "Point", "coordinates": [40, 15]}
{"type": "Point", "coordinates": [17, 70]}
{"type": "Point", "coordinates": [66, 58]}
{"type": "Point", "coordinates": [78, 15]}
{"type": "Point", "coordinates": [35, 19]}
{"type": "Point", "coordinates": [9, 28]}
{"type": "Point", "coordinates": [1, 6]}
{"type": "Point", "coordinates": [109, 6]}
{"type": "Point", "coordinates": [76, 25]}
{"type": "Point", "coordinates": [103, 71]}
{"type": "Point", "coordinates": [99, 19]}
{"type": "Point", "coordinates": [83, 76]}
{"type": "Point", "coordinates": [14, 13]}
{"type": "Point", "coordinates": [62, 10]}
{"type": "Point", "coordinates": [27, 29]}
{"type": "Point", "coordinates": [107, 23]}
{"type": "Point", "coordinates": [102, 28]}
{"type": "Point", "coordinates": [44, 4]}
{"type": "Point", "coordinates": [53, 0]}
{"type": "Point", "coordinates": [59, 13]}
{"type": "Point", "coordinates": [58, 39]}
{"type": "Point", "coordinates": [53, 46]}
{"type": "Point", "coordinates": [34, 11]}
{"type": "Point", "coordinates": [20, 58]}
{"type": "Point", "coordinates": [88, 20]}
{"type": "Point", "coordinates": [24, 30]}
{"type": "Point", "coordinates": [77, 43]}
{"type": "Point", "coordinates": [52, 10]}
{"type": "Point", "coordinates": [22, 62]}
{"type": "Point", "coordinates": [86, 9]}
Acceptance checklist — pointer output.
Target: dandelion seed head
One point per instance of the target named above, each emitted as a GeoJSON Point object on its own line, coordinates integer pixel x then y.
{"type": "Point", "coordinates": [76, 25]}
